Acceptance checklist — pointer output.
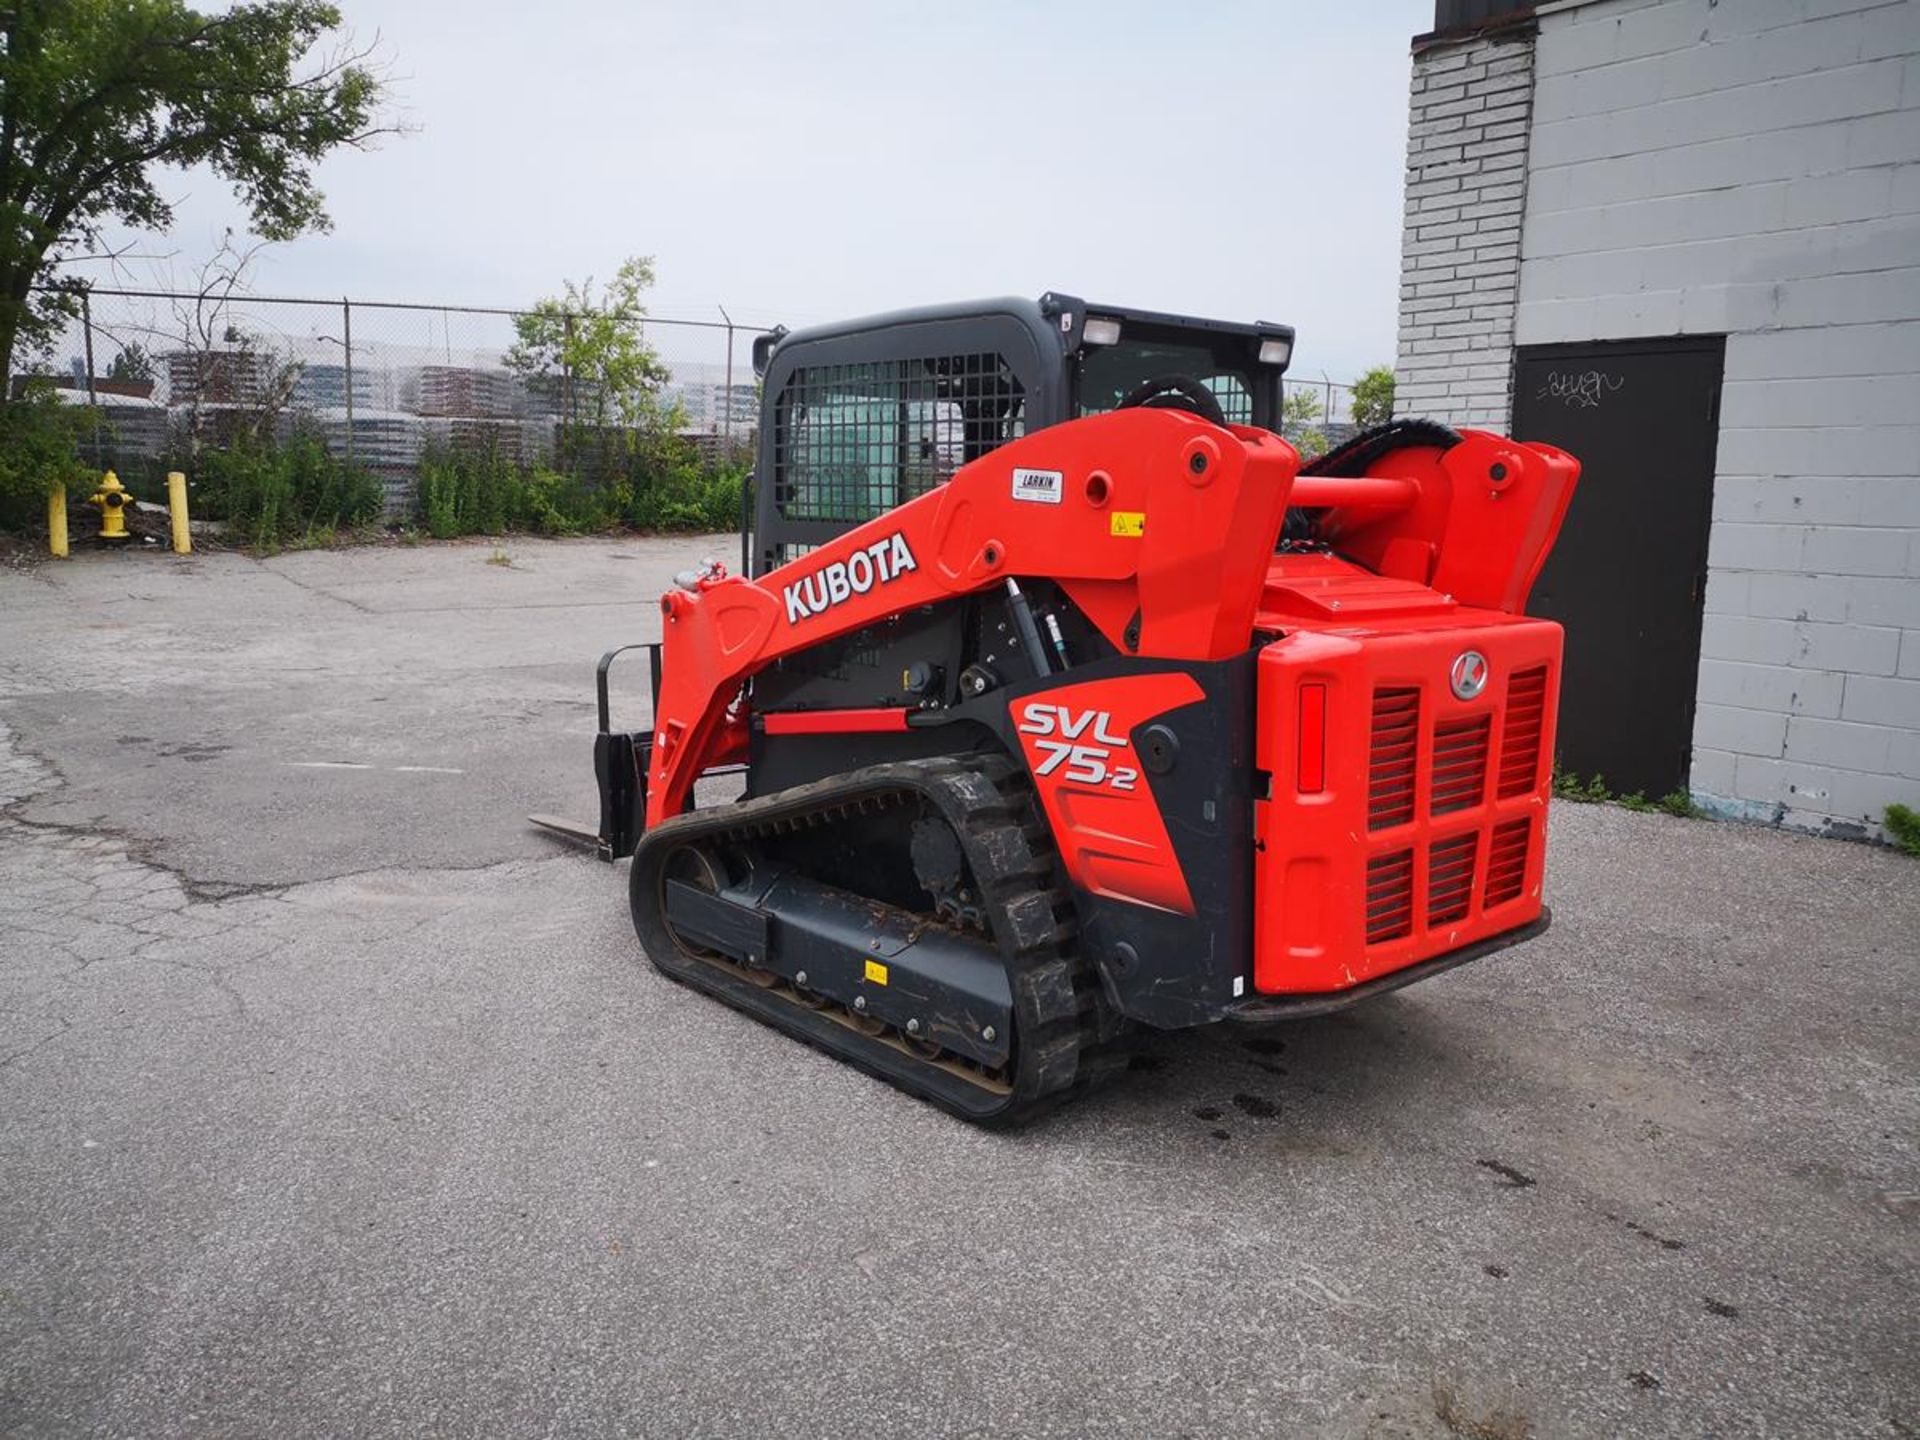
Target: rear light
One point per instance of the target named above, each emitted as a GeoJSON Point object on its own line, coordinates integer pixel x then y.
{"type": "Point", "coordinates": [1101, 330]}
{"type": "Point", "coordinates": [1390, 757]}
{"type": "Point", "coordinates": [1313, 739]}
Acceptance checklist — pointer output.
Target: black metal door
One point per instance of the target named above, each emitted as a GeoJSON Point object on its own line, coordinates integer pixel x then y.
{"type": "Point", "coordinates": [1628, 577]}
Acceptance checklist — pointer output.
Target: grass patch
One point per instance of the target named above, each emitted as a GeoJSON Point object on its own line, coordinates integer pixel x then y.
{"type": "Point", "coordinates": [1593, 791]}
{"type": "Point", "coordinates": [1903, 825]}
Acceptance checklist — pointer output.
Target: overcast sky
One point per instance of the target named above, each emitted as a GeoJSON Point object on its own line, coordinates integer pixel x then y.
{"type": "Point", "coordinates": [800, 162]}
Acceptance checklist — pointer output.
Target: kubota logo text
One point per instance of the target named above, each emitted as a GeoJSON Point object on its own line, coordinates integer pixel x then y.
{"type": "Point", "coordinates": [1088, 762]}
{"type": "Point", "coordinates": [880, 562]}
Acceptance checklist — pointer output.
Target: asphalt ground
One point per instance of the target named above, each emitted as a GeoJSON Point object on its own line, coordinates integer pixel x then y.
{"type": "Point", "coordinates": [333, 1099]}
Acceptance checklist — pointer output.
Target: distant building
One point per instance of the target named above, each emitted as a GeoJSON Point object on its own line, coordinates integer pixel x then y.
{"type": "Point", "coordinates": [322, 385]}
{"type": "Point", "coordinates": [219, 377]}
{"type": "Point", "coordinates": [459, 390]}
{"type": "Point", "coordinates": [560, 397]}
{"type": "Point", "coordinates": [511, 439]}
{"type": "Point", "coordinates": [133, 425]}
{"type": "Point", "coordinates": [385, 442]}
{"type": "Point", "coordinates": [715, 407]}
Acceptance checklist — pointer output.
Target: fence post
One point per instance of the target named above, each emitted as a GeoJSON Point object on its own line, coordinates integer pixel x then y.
{"type": "Point", "coordinates": [86, 326]}
{"type": "Point", "coordinates": [726, 396]}
{"type": "Point", "coordinates": [570, 446]}
{"type": "Point", "coordinates": [346, 349]}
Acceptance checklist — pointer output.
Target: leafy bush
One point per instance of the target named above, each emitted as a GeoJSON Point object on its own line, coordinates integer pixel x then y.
{"type": "Point", "coordinates": [39, 439]}
{"type": "Point", "coordinates": [1903, 824]}
{"type": "Point", "coordinates": [469, 492]}
{"type": "Point", "coordinates": [655, 483]}
{"type": "Point", "coordinates": [675, 487]}
{"type": "Point", "coordinates": [1567, 785]}
{"type": "Point", "coordinates": [1372, 399]}
{"type": "Point", "coordinates": [275, 495]}
{"type": "Point", "coordinates": [1680, 803]}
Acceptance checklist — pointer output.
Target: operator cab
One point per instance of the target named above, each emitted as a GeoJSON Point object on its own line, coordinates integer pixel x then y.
{"type": "Point", "coordinates": [860, 416]}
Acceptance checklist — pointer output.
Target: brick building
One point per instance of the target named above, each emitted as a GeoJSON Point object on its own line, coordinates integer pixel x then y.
{"type": "Point", "coordinates": [1682, 238]}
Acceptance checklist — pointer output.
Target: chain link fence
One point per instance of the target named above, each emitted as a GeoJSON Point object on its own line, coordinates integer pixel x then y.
{"type": "Point", "coordinates": [172, 374]}
{"type": "Point", "coordinates": [1333, 402]}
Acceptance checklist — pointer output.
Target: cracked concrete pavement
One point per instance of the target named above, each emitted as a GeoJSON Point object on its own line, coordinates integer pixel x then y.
{"type": "Point", "coordinates": [334, 1099]}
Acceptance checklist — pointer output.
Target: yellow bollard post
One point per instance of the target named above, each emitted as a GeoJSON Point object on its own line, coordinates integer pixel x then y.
{"type": "Point", "coordinates": [177, 508]}
{"type": "Point", "coordinates": [57, 522]}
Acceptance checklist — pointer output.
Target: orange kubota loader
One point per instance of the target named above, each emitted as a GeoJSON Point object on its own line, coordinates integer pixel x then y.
{"type": "Point", "coordinates": [1070, 702]}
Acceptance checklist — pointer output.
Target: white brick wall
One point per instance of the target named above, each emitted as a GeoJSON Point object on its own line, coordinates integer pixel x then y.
{"type": "Point", "coordinates": [1753, 169]}
{"type": "Point", "coordinates": [1466, 188]}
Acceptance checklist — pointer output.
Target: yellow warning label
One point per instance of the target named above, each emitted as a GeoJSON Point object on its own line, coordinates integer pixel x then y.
{"type": "Point", "coordinates": [876, 972]}
{"type": "Point", "coordinates": [1130, 522]}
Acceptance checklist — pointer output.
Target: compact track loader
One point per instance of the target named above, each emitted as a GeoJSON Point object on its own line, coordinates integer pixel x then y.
{"type": "Point", "coordinates": [1067, 701]}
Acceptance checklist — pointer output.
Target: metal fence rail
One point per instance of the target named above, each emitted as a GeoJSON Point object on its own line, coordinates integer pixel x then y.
{"type": "Point", "coordinates": [173, 373]}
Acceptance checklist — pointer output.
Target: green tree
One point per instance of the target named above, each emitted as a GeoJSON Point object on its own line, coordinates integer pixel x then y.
{"type": "Point", "coordinates": [1373, 397]}
{"type": "Point", "coordinates": [97, 95]}
{"type": "Point", "coordinates": [597, 351]}
{"type": "Point", "coordinates": [40, 435]}
{"type": "Point", "coordinates": [1299, 419]}
{"type": "Point", "coordinates": [132, 363]}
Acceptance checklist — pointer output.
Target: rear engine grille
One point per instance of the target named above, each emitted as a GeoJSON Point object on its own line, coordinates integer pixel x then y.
{"type": "Point", "coordinates": [1450, 878]}
{"type": "Point", "coordinates": [1520, 735]}
{"type": "Point", "coordinates": [1507, 860]}
{"type": "Point", "coordinates": [1390, 760]}
{"type": "Point", "coordinates": [1460, 763]}
{"type": "Point", "coordinates": [1389, 896]}
{"type": "Point", "coordinates": [1439, 786]}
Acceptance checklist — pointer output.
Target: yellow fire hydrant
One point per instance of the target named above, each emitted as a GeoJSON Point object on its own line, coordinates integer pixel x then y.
{"type": "Point", "coordinates": [112, 499]}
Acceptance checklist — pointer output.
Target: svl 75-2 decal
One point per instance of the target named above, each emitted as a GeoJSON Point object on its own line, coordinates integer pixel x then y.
{"type": "Point", "coordinates": [1091, 762]}
{"type": "Point", "coordinates": [1077, 740]}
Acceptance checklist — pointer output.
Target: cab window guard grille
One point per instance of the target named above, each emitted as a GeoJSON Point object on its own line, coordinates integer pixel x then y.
{"type": "Point", "coordinates": [852, 441]}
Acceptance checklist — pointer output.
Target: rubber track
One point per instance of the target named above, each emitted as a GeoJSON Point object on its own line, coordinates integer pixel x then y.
{"type": "Point", "coordinates": [1057, 1047]}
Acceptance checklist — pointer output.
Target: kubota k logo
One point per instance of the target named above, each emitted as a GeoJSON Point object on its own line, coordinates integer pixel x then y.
{"type": "Point", "coordinates": [1468, 675]}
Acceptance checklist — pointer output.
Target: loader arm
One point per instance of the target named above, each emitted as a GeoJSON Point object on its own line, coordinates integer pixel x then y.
{"type": "Point", "coordinates": [1157, 523]}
